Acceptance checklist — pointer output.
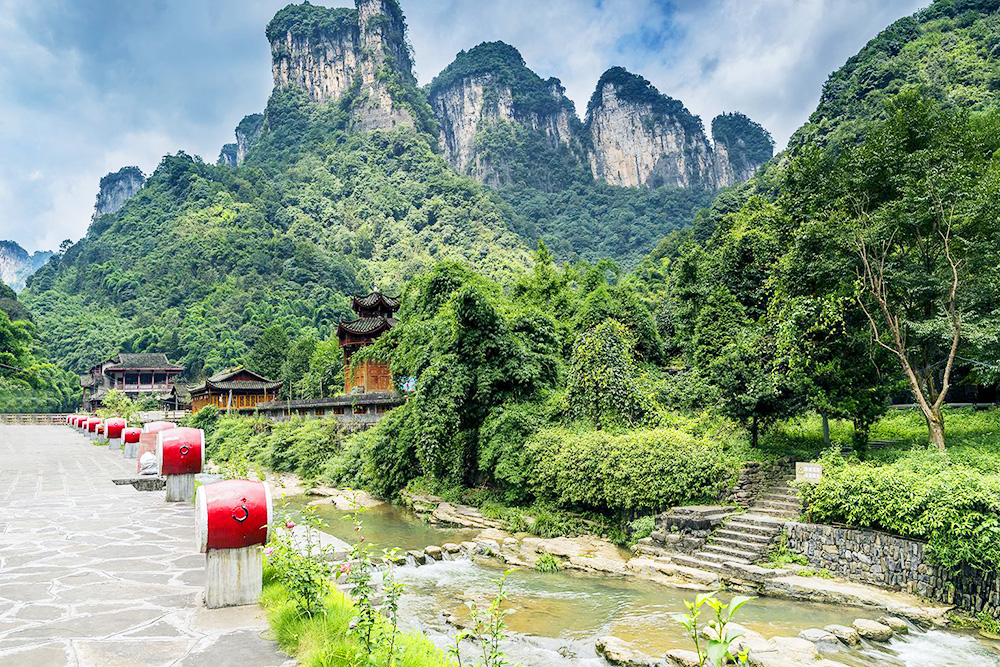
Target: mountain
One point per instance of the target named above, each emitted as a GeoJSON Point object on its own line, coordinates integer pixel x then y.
{"type": "Point", "coordinates": [487, 102]}
{"type": "Point", "coordinates": [116, 188]}
{"type": "Point", "coordinates": [16, 264]}
{"type": "Point", "coordinates": [352, 176]}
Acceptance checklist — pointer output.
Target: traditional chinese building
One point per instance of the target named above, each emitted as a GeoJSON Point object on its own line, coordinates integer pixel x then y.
{"type": "Point", "coordinates": [235, 389]}
{"type": "Point", "coordinates": [375, 316]}
{"type": "Point", "coordinates": [136, 374]}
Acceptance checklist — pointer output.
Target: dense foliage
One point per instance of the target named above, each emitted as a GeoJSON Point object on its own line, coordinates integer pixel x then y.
{"type": "Point", "coordinates": [746, 141]}
{"type": "Point", "coordinates": [952, 504]}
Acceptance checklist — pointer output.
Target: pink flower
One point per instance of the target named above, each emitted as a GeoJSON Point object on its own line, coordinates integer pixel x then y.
{"type": "Point", "coordinates": [268, 551]}
{"type": "Point", "coordinates": [361, 539]}
{"type": "Point", "coordinates": [289, 524]}
{"type": "Point", "coordinates": [353, 624]}
{"type": "Point", "coordinates": [345, 568]}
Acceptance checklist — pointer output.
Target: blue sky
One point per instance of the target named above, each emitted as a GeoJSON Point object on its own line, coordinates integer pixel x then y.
{"type": "Point", "coordinates": [88, 86]}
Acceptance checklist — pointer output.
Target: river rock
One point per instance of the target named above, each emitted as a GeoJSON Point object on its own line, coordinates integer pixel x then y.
{"type": "Point", "coordinates": [417, 556]}
{"type": "Point", "coordinates": [434, 552]}
{"type": "Point", "coordinates": [845, 634]}
{"type": "Point", "coordinates": [678, 657]}
{"type": "Point", "coordinates": [898, 625]}
{"type": "Point", "coordinates": [343, 500]}
{"type": "Point", "coordinates": [619, 652]}
{"type": "Point", "coordinates": [819, 637]}
{"type": "Point", "coordinates": [872, 630]}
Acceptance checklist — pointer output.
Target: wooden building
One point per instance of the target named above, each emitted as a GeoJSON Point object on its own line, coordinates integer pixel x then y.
{"type": "Point", "coordinates": [375, 316]}
{"type": "Point", "coordinates": [351, 410]}
{"type": "Point", "coordinates": [235, 389]}
{"type": "Point", "coordinates": [139, 375]}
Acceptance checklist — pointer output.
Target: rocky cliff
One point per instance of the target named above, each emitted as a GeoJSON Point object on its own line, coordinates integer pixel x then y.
{"type": "Point", "coordinates": [487, 102]}
{"type": "Point", "coordinates": [333, 52]}
{"type": "Point", "coordinates": [16, 264]}
{"type": "Point", "coordinates": [116, 189]}
{"type": "Point", "coordinates": [741, 147]}
{"type": "Point", "coordinates": [227, 156]}
{"type": "Point", "coordinates": [640, 137]}
{"type": "Point", "coordinates": [247, 134]}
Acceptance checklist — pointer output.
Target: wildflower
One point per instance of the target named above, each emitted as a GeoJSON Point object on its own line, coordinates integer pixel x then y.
{"type": "Point", "coordinates": [289, 524]}
{"type": "Point", "coordinates": [345, 568]}
{"type": "Point", "coordinates": [353, 624]}
{"type": "Point", "coordinates": [268, 551]}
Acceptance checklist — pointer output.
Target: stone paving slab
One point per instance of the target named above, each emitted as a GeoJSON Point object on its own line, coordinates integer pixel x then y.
{"type": "Point", "coordinates": [98, 575]}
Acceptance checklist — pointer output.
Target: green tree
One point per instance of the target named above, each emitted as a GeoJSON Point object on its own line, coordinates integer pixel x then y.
{"type": "Point", "coordinates": [267, 356]}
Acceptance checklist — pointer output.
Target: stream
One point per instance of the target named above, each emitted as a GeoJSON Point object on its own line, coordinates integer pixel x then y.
{"type": "Point", "coordinates": [557, 617]}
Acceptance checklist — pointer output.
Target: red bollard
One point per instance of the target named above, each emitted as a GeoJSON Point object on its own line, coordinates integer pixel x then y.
{"type": "Point", "coordinates": [180, 455]}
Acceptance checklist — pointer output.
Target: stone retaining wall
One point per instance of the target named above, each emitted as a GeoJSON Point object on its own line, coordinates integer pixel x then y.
{"type": "Point", "coordinates": [892, 562]}
{"type": "Point", "coordinates": [755, 478]}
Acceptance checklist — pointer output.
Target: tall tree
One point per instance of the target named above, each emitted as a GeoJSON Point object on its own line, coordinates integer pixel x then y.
{"type": "Point", "coordinates": [267, 356]}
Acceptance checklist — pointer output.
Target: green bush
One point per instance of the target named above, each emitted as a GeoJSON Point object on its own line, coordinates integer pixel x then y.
{"type": "Point", "coordinates": [921, 494]}
{"type": "Point", "coordinates": [206, 419]}
{"type": "Point", "coordinates": [647, 469]}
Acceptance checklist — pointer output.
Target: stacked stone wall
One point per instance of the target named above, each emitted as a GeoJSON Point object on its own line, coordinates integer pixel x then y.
{"type": "Point", "coordinates": [755, 478]}
{"type": "Point", "coordinates": [896, 563]}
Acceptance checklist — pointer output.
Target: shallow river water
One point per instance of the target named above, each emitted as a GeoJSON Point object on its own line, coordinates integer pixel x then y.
{"type": "Point", "coordinates": [559, 616]}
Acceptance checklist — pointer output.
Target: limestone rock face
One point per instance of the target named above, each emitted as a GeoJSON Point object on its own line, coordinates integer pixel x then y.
{"type": "Point", "coordinates": [490, 89]}
{"type": "Point", "coordinates": [741, 147]}
{"type": "Point", "coordinates": [247, 134]}
{"type": "Point", "coordinates": [227, 156]}
{"type": "Point", "coordinates": [16, 265]}
{"type": "Point", "coordinates": [116, 189]}
{"type": "Point", "coordinates": [640, 137]}
{"type": "Point", "coordinates": [328, 52]}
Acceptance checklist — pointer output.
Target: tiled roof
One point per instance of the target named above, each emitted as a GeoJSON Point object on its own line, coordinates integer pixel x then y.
{"type": "Point", "coordinates": [375, 298]}
{"type": "Point", "coordinates": [221, 382]}
{"type": "Point", "coordinates": [366, 325]}
{"type": "Point", "coordinates": [144, 361]}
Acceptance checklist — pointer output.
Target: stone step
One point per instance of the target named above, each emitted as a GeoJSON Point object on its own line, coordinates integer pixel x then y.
{"type": "Point", "coordinates": [778, 505]}
{"type": "Point", "coordinates": [755, 518]}
{"type": "Point", "coordinates": [695, 562]}
{"type": "Point", "coordinates": [739, 544]}
{"type": "Point", "coordinates": [763, 531]}
{"type": "Point", "coordinates": [729, 533]}
{"type": "Point", "coordinates": [721, 558]}
{"type": "Point", "coordinates": [777, 512]}
{"type": "Point", "coordinates": [787, 490]}
{"type": "Point", "coordinates": [780, 497]}
{"type": "Point", "coordinates": [734, 552]}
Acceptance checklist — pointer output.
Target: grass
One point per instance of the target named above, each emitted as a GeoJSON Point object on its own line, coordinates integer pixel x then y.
{"type": "Point", "coordinates": [972, 437]}
{"type": "Point", "coordinates": [323, 640]}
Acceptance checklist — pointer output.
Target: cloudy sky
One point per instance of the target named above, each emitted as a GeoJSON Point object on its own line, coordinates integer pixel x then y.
{"type": "Point", "coordinates": [89, 86]}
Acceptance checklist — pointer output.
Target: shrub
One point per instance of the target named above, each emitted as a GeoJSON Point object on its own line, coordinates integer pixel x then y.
{"type": "Point", "coordinates": [645, 469]}
{"type": "Point", "coordinates": [922, 494]}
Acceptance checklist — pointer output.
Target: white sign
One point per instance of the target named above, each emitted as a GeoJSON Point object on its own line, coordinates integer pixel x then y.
{"type": "Point", "coordinates": [808, 472]}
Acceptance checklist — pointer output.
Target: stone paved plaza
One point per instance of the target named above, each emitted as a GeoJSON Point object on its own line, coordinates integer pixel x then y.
{"type": "Point", "coordinates": [97, 574]}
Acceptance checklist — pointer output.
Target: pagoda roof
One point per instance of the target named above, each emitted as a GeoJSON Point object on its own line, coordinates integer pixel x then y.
{"type": "Point", "coordinates": [225, 381]}
{"type": "Point", "coordinates": [145, 361]}
{"type": "Point", "coordinates": [374, 299]}
{"type": "Point", "coordinates": [365, 326]}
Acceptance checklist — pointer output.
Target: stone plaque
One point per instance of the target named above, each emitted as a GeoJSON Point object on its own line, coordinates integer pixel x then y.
{"type": "Point", "coordinates": [808, 472]}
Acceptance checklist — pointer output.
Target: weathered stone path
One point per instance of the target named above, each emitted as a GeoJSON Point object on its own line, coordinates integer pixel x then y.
{"type": "Point", "coordinates": [97, 574]}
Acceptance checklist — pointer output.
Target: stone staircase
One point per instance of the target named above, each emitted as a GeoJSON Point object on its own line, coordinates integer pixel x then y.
{"type": "Point", "coordinates": [745, 538]}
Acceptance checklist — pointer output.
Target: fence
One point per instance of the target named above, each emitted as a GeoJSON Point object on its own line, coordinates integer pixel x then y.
{"type": "Point", "coordinates": [33, 419]}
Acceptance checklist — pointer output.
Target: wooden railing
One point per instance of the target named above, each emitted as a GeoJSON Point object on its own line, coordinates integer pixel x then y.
{"type": "Point", "coordinates": [34, 419]}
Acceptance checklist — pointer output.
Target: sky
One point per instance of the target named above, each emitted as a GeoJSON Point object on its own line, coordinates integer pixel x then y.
{"type": "Point", "coordinates": [89, 86]}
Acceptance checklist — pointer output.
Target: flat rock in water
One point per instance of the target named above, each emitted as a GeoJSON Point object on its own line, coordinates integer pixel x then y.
{"type": "Point", "coordinates": [818, 636]}
{"type": "Point", "coordinates": [898, 625]}
{"type": "Point", "coordinates": [873, 630]}
{"type": "Point", "coordinates": [845, 634]}
{"type": "Point", "coordinates": [621, 653]}
{"type": "Point", "coordinates": [678, 657]}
